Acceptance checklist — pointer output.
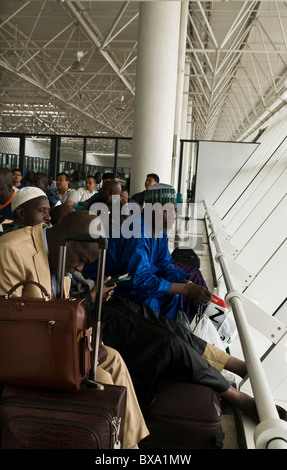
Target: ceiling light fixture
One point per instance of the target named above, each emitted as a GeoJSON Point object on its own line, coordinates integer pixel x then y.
{"type": "Point", "coordinates": [77, 66]}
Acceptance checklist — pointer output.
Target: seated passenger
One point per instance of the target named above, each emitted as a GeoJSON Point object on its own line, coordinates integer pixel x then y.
{"type": "Point", "coordinates": [89, 190]}
{"type": "Point", "coordinates": [6, 195]}
{"type": "Point", "coordinates": [105, 195]}
{"type": "Point", "coordinates": [155, 347]}
{"type": "Point", "coordinates": [52, 184]}
{"type": "Point", "coordinates": [17, 178]}
{"type": "Point", "coordinates": [36, 250]}
{"type": "Point", "coordinates": [99, 181]}
{"type": "Point", "coordinates": [126, 199]}
{"type": "Point", "coordinates": [151, 179]}
{"type": "Point", "coordinates": [155, 281]}
{"type": "Point", "coordinates": [41, 180]}
{"type": "Point", "coordinates": [76, 180]}
{"type": "Point", "coordinates": [30, 206]}
{"type": "Point", "coordinates": [109, 187]}
{"type": "Point", "coordinates": [63, 190]}
{"type": "Point", "coordinates": [58, 213]}
{"type": "Point", "coordinates": [84, 193]}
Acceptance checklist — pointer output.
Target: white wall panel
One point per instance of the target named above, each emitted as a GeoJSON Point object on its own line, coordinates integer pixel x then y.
{"type": "Point", "coordinates": [231, 200]}
{"type": "Point", "coordinates": [217, 164]}
{"type": "Point", "coordinates": [266, 240]}
{"type": "Point", "coordinates": [269, 286]}
{"type": "Point", "coordinates": [260, 205]}
{"type": "Point", "coordinates": [260, 185]}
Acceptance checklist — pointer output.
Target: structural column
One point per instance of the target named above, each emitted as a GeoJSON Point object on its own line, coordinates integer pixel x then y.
{"type": "Point", "coordinates": [186, 134]}
{"type": "Point", "coordinates": [180, 116]}
{"type": "Point", "coordinates": [155, 97]}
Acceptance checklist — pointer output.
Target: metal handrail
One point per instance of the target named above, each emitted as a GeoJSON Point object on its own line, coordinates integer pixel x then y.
{"type": "Point", "coordinates": [272, 431]}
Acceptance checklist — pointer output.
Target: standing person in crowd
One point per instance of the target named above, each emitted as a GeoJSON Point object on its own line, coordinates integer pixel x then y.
{"type": "Point", "coordinates": [36, 250]}
{"type": "Point", "coordinates": [63, 188]}
{"type": "Point", "coordinates": [6, 195]}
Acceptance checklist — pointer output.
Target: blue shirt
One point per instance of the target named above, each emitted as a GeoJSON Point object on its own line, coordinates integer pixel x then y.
{"type": "Point", "coordinates": [149, 263]}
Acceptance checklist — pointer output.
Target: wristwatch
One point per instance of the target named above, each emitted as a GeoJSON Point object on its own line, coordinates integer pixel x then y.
{"type": "Point", "coordinates": [187, 281]}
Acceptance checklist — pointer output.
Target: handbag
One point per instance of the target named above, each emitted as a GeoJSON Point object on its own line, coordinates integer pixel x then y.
{"type": "Point", "coordinates": [44, 342]}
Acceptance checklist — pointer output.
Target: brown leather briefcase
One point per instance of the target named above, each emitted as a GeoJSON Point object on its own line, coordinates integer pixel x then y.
{"type": "Point", "coordinates": [46, 343]}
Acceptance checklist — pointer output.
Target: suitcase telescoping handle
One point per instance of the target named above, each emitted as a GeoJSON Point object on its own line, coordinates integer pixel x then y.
{"type": "Point", "coordinates": [96, 320]}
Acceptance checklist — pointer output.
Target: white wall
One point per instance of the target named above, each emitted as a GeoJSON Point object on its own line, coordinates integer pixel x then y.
{"type": "Point", "coordinates": [253, 209]}
{"type": "Point", "coordinates": [217, 164]}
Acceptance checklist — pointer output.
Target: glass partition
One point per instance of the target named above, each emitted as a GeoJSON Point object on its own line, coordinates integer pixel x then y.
{"type": "Point", "coordinates": [9, 152]}
{"type": "Point", "coordinates": [52, 154]}
{"type": "Point", "coordinates": [124, 160]}
{"type": "Point", "coordinates": [71, 154]}
{"type": "Point", "coordinates": [37, 154]}
{"type": "Point", "coordinates": [100, 155]}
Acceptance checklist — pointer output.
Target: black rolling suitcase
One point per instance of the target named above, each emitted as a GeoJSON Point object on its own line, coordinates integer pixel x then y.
{"type": "Point", "coordinates": [43, 419]}
{"type": "Point", "coordinates": [91, 418]}
{"type": "Point", "coordinates": [184, 416]}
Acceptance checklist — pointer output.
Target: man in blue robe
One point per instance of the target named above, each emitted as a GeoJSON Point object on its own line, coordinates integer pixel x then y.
{"type": "Point", "coordinates": [155, 281]}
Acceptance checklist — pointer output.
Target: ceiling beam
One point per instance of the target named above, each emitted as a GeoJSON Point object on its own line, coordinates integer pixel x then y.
{"type": "Point", "coordinates": [79, 13]}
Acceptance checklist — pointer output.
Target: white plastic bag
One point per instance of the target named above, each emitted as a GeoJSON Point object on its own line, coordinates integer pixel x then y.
{"type": "Point", "coordinates": [227, 330]}
{"type": "Point", "coordinates": [221, 317]}
{"type": "Point", "coordinates": [206, 330]}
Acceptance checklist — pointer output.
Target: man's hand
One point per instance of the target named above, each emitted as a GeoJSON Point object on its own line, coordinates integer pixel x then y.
{"type": "Point", "coordinates": [198, 293]}
{"type": "Point", "coordinates": [193, 291]}
{"type": "Point", "coordinates": [107, 291]}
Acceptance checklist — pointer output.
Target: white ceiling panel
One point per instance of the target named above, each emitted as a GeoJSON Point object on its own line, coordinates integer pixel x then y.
{"type": "Point", "coordinates": [236, 50]}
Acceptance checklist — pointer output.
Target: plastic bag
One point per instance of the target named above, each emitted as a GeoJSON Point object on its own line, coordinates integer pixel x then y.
{"type": "Point", "coordinates": [205, 329]}
{"type": "Point", "coordinates": [221, 317]}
